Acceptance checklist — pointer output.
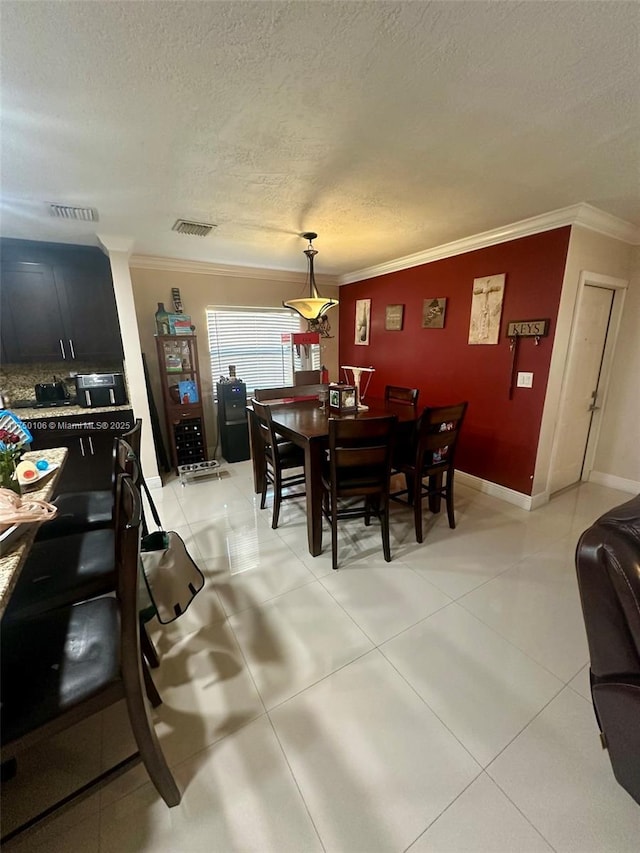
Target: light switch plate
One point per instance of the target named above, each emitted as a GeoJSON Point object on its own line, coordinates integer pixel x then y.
{"type": "Point", "coordinates": [525, 380]}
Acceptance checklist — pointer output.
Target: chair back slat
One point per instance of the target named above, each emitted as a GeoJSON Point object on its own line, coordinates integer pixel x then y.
{"type": "Point", "coordinates": [398, 394]}
{"type": "Point", "coordinates": [118, 454]}
{"type": "Point", "coordinates": [360, 449]}
{"type": "Point", "coordinates": [360, 432]}
{"type": "Point", "coordinates": [133, 436]}
{"type": "Point", "coordinates": [265, 424]}
{"type": "Point", "coordinates": [306, 377]}
{"type": "Point", "coordinates": [437, 436]}
{"type": "Point", "coordinates": [285, 391]}
{"type": "Point", "coordinates": [128, 532]}
{"type": "Point", "coordinates": [357, 457]}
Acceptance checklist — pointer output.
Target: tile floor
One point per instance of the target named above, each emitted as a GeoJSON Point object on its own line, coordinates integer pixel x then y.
{"type": "Point", "coordinates": [436, 703]}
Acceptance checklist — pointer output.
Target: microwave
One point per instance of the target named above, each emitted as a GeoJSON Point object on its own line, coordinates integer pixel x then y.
{"type": "Point", "coordinates": [101, 389]}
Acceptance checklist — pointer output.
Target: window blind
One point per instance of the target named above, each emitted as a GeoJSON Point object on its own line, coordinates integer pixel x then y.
{"type": "Point", "coordinates": [251, 339]}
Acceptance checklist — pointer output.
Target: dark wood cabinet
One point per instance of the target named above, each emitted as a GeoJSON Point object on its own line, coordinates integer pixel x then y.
{"type": "Point", "coordinates": [89, 439]}
{"type": "Point", "coordinates": [57, 303]}
{"type": "Point", "coordinates": [89, 309]}
{"type": "Point", "coordinates": [30, 313]}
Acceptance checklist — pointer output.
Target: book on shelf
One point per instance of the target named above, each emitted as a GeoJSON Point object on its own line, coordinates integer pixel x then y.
{"type": "Point", "coordinates": [188, 391]}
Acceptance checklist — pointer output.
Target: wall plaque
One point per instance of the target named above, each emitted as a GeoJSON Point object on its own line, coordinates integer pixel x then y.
{"type": "Point", "coordinates": [528, 329]}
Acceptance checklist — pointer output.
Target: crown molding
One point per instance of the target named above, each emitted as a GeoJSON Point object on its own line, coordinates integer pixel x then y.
{"type": "Point", "coordinates": [115, 243]}
{"type": "Point", "coordinates": [605, 223]}
{"type": "Point", "coordinates": [582, 214]}
{"type": "Point", "coordinates": [156, 262]}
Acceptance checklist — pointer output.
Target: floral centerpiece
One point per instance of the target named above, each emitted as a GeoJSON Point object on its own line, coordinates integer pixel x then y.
{"type": "Point", "coordinates": [10, 452]}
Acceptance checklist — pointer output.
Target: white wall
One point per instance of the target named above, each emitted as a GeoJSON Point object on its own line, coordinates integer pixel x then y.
{"type": "Point", "coordinates": [617, 459]}
{"type": "Point", "coordinates": [596, 253]}
{"type": "Point", "coordinates": [118, 249]}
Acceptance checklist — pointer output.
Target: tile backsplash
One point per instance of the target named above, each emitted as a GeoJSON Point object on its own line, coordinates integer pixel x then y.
{"type": "Point", "coordinates": [17, 381]}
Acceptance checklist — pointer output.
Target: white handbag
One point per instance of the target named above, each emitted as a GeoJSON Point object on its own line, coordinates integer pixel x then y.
{"type": "Point", "coordinates": [171, 576]}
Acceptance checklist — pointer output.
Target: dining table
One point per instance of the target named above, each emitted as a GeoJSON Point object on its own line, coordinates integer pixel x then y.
{"type": "Point", "coordinates": [16, 544]}
{"type": "Point", "coordinates": [306, 424]}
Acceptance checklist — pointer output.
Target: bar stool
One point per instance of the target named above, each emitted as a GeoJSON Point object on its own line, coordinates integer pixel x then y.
{"type": "Point", "coordinates": [280, 456]}
{"type": "Point", "coordinates": [359, 466]}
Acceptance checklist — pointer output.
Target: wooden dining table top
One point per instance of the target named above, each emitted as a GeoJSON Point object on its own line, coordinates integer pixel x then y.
{"type": "Point", "coordinates": [309, 419]}
{"type": "Point", "coordinates": [13, 559]}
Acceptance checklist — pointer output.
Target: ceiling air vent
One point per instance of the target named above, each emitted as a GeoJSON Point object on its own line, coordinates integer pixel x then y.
{"type": "Point", "coordinates": [196, 229]}
{"type": "Point", "coordinates": [65, 211]}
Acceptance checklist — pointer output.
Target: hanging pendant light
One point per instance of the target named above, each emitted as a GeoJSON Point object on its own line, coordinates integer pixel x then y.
{"type": "Point", "coordinates": [311, 307]}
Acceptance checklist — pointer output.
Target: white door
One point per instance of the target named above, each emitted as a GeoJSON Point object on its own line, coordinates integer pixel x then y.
{"type": "Point", "coordinates": [579, 402]}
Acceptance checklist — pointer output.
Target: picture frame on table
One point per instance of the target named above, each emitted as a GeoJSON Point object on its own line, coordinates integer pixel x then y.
{"type": "Point", "coordinates": [363, 322]}
{"type": "Point", "coordinates": [343, 399]}
{"type": "Point", "coordinates": [433, 311]}
{"type": "Point", "coordinates": [394, 318]}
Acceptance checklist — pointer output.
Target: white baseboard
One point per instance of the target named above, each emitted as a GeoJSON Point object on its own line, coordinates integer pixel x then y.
{"type": "Point", "coordinates": [502, 492]}
{"type": "Point", "coordinates": [540, 499]}
{"type": "Point", "coordinates": [613, 482]}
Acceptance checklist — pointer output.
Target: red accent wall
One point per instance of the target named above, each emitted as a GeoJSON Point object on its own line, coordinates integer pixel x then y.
{"type": "Point", "coordinates": [500, 437]}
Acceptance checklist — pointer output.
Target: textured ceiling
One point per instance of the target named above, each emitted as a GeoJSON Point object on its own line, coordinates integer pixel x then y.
{"type": "Point", "coordinates": [387, 127]}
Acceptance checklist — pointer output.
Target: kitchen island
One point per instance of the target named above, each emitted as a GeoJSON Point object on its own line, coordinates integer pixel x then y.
{"type": "Point", "coordinates": [17, 551]}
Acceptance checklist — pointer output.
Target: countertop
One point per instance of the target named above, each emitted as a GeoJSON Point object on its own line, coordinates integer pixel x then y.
{"type": "Point", "coordinates": [12, 562]}
{"type": "Point", "coordinates": [37, 414]}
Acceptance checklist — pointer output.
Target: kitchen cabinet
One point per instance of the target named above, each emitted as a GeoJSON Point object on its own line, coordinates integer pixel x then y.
{"type": "Point", "coordinates": [57, 303]}
{"type": "Point", "coordinates": [89, 440]}
{"type": "Point", "coordinates": [30, 313]}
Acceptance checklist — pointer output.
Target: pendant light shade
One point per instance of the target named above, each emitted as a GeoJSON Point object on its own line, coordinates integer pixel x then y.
{"type": "Point", "coordinates": [310, 307]}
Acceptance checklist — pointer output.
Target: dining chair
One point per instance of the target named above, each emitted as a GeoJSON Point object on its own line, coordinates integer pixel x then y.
{"type": "Point", "coordinates": [279, 456]}
{"type": "Point", "coordinates": [397, 394]}
{"type": "Point", "coordinates": [432, 456]}
{"type": "Point", "coordinates": [67, 664]}
{"type": "Point", "coordinates": [306, 377]}
{"type": "Point", "coordinates": [265, 394]}
{"type": "Point", "coordinates": [79, 512]}
{"type": "Point", "coordinates": [356, 476]}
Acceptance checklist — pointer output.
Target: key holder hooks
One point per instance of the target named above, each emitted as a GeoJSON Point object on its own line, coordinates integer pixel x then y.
{"type": "Point", "coordinates": [518, 329]}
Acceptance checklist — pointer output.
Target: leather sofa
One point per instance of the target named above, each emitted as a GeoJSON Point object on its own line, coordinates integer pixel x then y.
{"type": "Point", "coordinates": [608, 568]}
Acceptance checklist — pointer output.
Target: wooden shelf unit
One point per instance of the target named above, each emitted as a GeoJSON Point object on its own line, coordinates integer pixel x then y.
{"type": "Point", "coordinates": [178, 364]}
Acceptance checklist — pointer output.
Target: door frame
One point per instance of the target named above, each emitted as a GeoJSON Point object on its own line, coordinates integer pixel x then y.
{"type": "Point", "coordinates": [619, 287]}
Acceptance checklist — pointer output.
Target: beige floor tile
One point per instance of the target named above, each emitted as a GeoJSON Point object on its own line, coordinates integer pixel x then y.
{"type": "Point", "coordinates": [482, 687]}
{"type": "Point", "coordinates": [295, 640]}
{"type": "Point", "coordinates": [207, 692]}
{"type": "Point", "coordinates": [481, 820]}
{"type": "Point", "coordinates": [384, 601]}
{"type": "Point", "coordinates": [536, 605]}
{"type": "Point", "coordinates": [373, 763]}
{"type": "Point", "coordinates": [560, 778]}
{"type": "Point", "coordinates": [269, 571]}
{"type": "Point", "coordinates": [234, 536]}
{"type": "Point", "coordinates": [239, 795]}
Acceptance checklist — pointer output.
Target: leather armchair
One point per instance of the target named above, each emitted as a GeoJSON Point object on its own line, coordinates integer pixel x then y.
{"type": "Point", "coordinates": [608, 568]}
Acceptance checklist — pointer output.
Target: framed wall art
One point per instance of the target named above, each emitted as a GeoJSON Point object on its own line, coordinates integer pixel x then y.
{"type": "Point", "coordinates": [363, 321]}
{"type": "Point", "coordinates": [486, 309]}
{"type": "Point", "coordinates": [433, 311]}
{"type": "Point", "coordinates": [393, 318]}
